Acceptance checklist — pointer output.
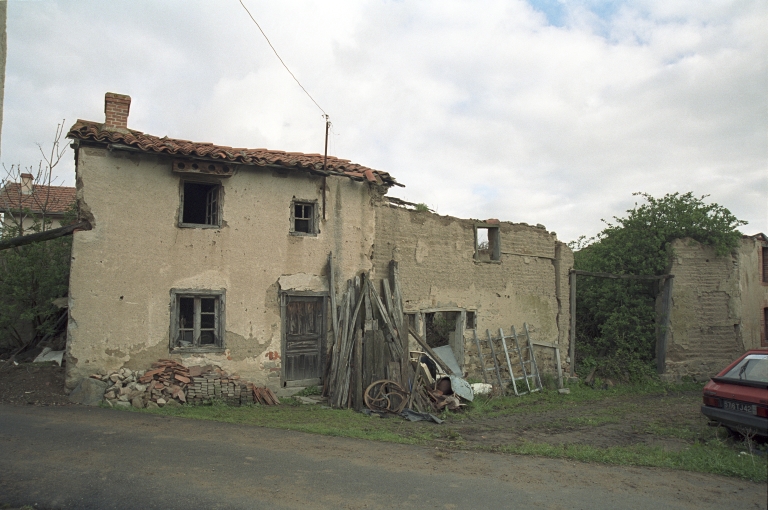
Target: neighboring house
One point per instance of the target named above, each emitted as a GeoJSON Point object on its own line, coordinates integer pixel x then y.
{"type": "Point", "coordinates": [212, 254]}
{"type": "Point", "coordinates": [26, 203]}
{"type": "Point", "coordinates": [719, 306]}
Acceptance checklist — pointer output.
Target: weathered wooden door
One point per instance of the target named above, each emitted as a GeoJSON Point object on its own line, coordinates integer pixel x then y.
{"type": "Point", "coordinates": [303, 323]}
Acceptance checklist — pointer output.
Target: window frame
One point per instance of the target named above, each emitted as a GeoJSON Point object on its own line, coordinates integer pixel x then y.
{"type": "Point", "coordinates": [216, 185]}
{"type": "Point", "coordinates": [313, 219]}
{"type": "Point", "coordinates": [219, 328]}
{"type": "Point", "coordinates": [494, 243]}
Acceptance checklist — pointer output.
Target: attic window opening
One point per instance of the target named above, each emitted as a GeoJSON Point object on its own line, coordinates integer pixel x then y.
{"type": "Point", "coordinates": [487, 244]}
{"type": "Point", "coordinates": [304, 218]}
{"type": "Point", "coordinates": [200, 204]}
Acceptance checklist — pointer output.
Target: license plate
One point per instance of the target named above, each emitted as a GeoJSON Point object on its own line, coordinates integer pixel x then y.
{"type": "Point", "coordinates": [740, 407]}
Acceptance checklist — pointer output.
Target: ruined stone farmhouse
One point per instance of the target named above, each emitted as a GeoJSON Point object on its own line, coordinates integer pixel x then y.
{"type": "Point", "coordinates": [209, 254]}
{"type": "Point", "coordinates": [719, 306]}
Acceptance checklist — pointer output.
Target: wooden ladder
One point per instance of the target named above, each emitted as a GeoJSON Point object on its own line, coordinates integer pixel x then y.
{"type": "Point", "coordinates": [526, 357]}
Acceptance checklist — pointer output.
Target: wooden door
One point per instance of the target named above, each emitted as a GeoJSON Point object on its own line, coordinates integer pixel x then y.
{"type": "Point", "coordinates": [303, 323]}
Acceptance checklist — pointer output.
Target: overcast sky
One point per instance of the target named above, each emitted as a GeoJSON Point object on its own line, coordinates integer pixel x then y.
{"type": "Point", "coordinates": [548, 111]}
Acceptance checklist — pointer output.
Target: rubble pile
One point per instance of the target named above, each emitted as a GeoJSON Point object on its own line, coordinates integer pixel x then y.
{"type": "Point", "coordinates": [169, 383]}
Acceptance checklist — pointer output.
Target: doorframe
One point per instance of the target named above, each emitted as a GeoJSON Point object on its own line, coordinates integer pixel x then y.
{"type": "Point", "coordinates": [284, 296]}
{"type": "Point", "coordinates": [461, 327]}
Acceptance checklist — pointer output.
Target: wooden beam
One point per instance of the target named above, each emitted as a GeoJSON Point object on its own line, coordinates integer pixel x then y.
{"type": "Point", "coordinates": [44, 236]}
{"type": "Point", "coordinates": [622, 276]}
{"type": "Point", "coordinates": [429, 351]}
{"type": "Point", "coordinates": [572, 342]}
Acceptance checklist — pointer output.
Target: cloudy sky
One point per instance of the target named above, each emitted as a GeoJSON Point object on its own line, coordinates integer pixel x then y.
{"type": "Point", "coordinates": [545, 111]}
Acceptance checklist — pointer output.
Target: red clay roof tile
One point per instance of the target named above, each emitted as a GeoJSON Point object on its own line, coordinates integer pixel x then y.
{"type": "Point", "coordinates": [54, 199]}
{"type": "Point", "coordinates": [94, 132]}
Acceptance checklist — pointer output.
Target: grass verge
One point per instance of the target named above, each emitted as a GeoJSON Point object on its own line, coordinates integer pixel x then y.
{"type": "Point", "coordinates": [704, 451]}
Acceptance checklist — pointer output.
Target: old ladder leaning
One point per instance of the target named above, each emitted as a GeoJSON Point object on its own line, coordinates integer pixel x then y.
{"type": "Point", "coordinates": [524, 358]}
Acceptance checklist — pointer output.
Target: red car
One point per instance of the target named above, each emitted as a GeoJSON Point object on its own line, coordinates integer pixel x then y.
{"type": "Point", "coordinates": [737, 397]}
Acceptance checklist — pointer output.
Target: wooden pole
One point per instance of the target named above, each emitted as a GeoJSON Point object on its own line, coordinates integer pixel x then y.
{"type": "Point", "coordinates": [44, 236]}
{"type": "Point", "coordinates": [572, 346]}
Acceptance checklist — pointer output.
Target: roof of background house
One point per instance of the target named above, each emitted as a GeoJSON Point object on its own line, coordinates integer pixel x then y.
{"type": "Point", "coordinates": [54, 199]}
{"type": "Point", "coordinates": [95, 132]}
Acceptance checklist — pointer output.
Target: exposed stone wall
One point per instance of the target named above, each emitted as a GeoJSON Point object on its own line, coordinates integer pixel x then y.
{"type": "Point", "coordinates": [438, 271]}
{"type": "Point", "coordinates": [716, 307]}
{"type": "Point", "coordinates": [123, 270]}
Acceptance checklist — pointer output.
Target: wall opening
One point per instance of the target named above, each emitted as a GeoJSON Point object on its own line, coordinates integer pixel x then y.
{"type": "Point", "coordinates": [200, 204]}
{"type": "Point", "coordinates": [487, 245]}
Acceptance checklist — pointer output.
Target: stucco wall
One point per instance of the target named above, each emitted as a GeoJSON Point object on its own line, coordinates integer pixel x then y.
{"type": "Point", "coordinates": [437, 268]}
{"type": "Point", "coordinates": [754, 292]}
{"type": "Point", "coordinates": [123, 269]}
{"type": "Point", "coordinates": [716, 307]}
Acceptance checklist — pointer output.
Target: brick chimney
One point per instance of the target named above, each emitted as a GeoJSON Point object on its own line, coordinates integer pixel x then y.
{"type": "Point", "coordinates": [116, 107]}
{"type": "Point", "coordinates": [26, 183]}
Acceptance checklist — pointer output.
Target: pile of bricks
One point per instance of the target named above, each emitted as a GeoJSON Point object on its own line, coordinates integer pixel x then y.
{"type": "Point", "coordinates": [169, 382]}
{"type": "Point", "coordinates": [166, 381]}
{"type": "Point", "coordinates": [214, 383]}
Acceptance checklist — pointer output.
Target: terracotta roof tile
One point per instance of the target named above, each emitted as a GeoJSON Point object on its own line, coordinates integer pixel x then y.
{"type": "Point", "coordinates": [95, 132]}
{"type": "Point", "coordinates": [54, 199]}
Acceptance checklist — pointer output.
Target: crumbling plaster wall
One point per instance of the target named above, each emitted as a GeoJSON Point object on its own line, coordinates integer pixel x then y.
{"type": "Point", "coordinates": [754, 292]}
{"type": "Point", "coordinates": [716, 303]}
{"type": "Point", "coordinates": [437, 269]}
{"type": "Point", "coordinates": [123, 270]}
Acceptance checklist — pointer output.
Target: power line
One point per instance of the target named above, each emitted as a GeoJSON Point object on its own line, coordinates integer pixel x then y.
{"type": "Point", "coordinates": [281, 60]}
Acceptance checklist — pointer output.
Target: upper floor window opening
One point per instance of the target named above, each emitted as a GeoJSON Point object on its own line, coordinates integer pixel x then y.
{"type": "Point", "coordinates": [304, 217]}
{"type": "Point", "coordinates": [487, 244]}
{"type": "Point", "coordinates": [200, 204]}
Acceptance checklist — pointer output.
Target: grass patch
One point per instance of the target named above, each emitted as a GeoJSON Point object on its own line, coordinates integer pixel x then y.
{"type": "Point", "coordinates": [714, 457]}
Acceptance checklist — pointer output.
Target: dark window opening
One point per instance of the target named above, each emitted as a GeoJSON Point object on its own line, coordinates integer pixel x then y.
{"type": "Point", "coordinates": [200, 204]}
{"type": "Point", "coordinates": [303, 218]}
{"type": "Point", "coordinates": [765, 264]}
{"type": "Point", "coordinates": [471, 320]}
{"type": "Point", "coordinates": [487, 245]}
{"type": "Point", "coordinates": [197, 321]}
{"type": "Point", "coordinates": [441, 327]}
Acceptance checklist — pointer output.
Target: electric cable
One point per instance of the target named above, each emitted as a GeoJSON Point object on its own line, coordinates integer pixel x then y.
{"type": "Point", "coordinates": [281, 60]}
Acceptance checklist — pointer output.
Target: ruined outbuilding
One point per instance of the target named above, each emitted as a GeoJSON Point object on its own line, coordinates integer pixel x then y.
{"type": "Point", "coordinates": [719, 306]}
{"type": "Point", "coordinates": [210, 254]}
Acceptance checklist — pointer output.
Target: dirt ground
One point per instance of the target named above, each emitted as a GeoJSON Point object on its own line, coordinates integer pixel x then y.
{"type": "Point", "coordinates": [39, 384]}
{"type": "Point", "coordinates": [671, 421]}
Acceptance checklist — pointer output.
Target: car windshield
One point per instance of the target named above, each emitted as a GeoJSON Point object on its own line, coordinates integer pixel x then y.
{"type": "Point", "coordinates": [754, 367]}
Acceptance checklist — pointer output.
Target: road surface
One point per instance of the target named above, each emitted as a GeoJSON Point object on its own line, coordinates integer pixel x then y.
{"type": "Point", "coordinates": [93, 458]}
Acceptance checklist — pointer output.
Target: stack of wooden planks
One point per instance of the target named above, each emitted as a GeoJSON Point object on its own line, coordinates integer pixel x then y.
{"type": "Point", "coordinates": [370, 342]}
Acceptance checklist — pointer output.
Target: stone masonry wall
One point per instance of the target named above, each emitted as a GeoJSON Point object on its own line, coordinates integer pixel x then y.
{"type": "Point", "coordinates": [710, 321]}
{"type": "Point", "coordinates": [438, 271]}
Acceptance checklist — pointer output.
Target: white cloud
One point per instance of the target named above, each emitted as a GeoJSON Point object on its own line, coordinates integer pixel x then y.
{"type": "Point", "coordinates": [481, 109]}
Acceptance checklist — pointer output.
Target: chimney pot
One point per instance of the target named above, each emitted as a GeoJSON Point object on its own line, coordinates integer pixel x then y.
{"type": "Point", "coordinates": [116, 108]}
{"type": "Point", "coordinates": [26, 184]}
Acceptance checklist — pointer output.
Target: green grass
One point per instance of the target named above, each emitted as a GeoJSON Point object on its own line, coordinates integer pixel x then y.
{"type": "Point", "coordinates": [704, 452]}
{"type": "Point", "coordinates": [715, 457]}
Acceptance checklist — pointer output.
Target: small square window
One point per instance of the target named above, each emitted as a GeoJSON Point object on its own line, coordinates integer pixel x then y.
{"type": "Point", "coordinates": [487, 244]}
{"type": "Point", "coordinates": [197, 320]}
{"type": "Point", "coordinates": [303, 218]}
{"type": "Point", "coordinates": [200, 204]}
{"type": "Point", "coordinates": [471, 318]}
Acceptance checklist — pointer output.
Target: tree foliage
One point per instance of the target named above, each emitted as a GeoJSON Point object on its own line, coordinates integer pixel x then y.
{"type": "Point", "coordinates": [34, 275]}
{"type": "Point", "coordinates": [615, 319]}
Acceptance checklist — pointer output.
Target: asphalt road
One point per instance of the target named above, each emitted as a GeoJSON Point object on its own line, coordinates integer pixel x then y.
{"type": "Point", "coordinates": [92, 458]}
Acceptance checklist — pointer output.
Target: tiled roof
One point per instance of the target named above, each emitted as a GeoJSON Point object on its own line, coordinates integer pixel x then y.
{"type": "Point", "coordinates": [95, 132]}
{"type": "Point", "coordinates": [54, 199]}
